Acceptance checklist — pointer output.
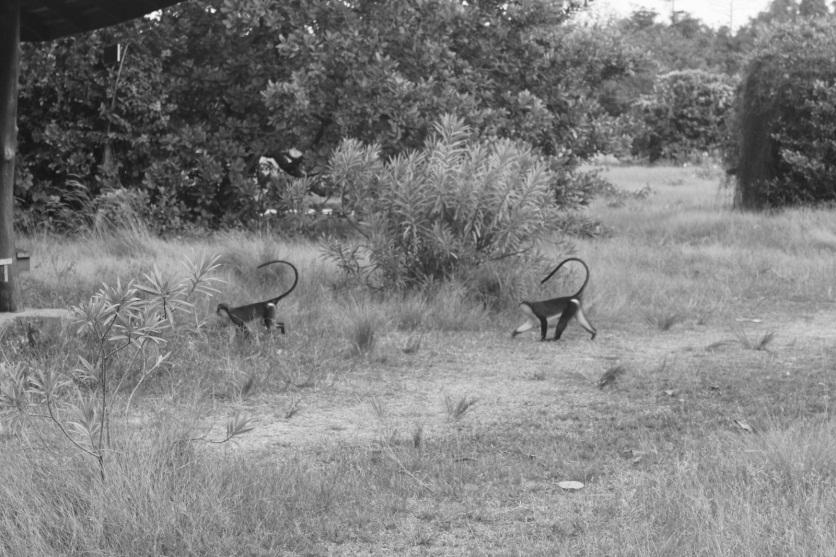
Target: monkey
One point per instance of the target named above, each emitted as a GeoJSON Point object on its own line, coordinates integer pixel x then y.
{"type": "Point", "coordinates": [265, 311]}
{"type": "Point", "coordinates": [563, 308]}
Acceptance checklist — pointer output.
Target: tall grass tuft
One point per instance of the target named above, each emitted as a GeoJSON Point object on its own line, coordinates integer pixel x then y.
{"type": "Point", "coordinates": [411, 311]}
{"type": "Point", "coordinates": [120, 225]}
{"type": "Point", "coordinates": [663, 318]}
{"type": "Point", "coordinates": [364, 321]}
{"type": "Point", "coordinates": [456, 409]}
{"type": "Point", "coordinates": [754, 342]}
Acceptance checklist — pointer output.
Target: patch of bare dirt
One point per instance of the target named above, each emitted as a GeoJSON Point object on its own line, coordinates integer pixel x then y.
{"type": "Point", "coordinates": [395, 394]}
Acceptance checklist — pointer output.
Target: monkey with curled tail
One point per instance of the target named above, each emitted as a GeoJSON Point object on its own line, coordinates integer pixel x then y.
{"type": "Point", "coordinates": [264, 311]}
{"type": "Point", "coordinates": [561, 309]}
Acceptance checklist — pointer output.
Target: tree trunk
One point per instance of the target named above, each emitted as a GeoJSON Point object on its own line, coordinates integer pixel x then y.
{"type": "Point", "coordinates": [9, 68]}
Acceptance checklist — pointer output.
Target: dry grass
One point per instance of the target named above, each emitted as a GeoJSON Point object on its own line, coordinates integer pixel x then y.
{"type": "Point", "coordinates": [456, 409]}
{"type": "Point", "coordinates": [666, 469]}
{"type": "Point", "coordinates": [755, 341]}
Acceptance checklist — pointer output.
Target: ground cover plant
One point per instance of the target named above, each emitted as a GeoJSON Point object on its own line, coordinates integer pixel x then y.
{"type": "Point", "coordinates": [411, 423]}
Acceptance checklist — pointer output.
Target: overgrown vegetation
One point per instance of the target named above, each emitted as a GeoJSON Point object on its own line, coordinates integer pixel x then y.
{"type": "Point", "coordinates": [686, 115]}
{"type": "Point", "coordinates": [186, 118]}
{"type": "Point", "coordinates": [787, 120]}
{"type": "Point", "coordinates": [325, 469]}
{"type": "Point", "coordinates": [448, 209]}
{"type": "Point", "coordinates": [691, 434]}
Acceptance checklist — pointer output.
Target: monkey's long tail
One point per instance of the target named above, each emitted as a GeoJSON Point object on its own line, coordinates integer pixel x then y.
{"type": "Point", "coordinates": [295, 278]}
{"type": "Point", "coordinates": [559, 265]}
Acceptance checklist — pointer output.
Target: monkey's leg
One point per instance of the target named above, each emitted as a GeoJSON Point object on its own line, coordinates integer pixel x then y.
{"type": "Point", "coordinates": [568, 313]}
{"type": "Point", "coordinates": [544, 327]}
{"type": "Point", "coordinates": [269, 315]}
{"type": "Point", "coordinates": [585, 323]}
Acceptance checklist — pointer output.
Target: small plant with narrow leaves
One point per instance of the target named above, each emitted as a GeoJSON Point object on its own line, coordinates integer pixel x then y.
{"type": "Point", "coordinates": [418, 436]}
{"type": "Point", "coordinates": [362, 334]}
{"type": "Point", "coordinates": [610, 376]}
{"type": "Point", "coordinates": [170, 295]}
{"type": "Point", "coordinates": [294, 407]}
{"type": "Point", "coordinates": [456, 409]}
{"type": "Point", "coordinates": [364, 321]}
{"type": "Point", "coordinates": [124, 331]}
{"type": "Point", "coordinates": [755, 341]}
{"type": "Point", "coordinates": [412, 346]}
{"type": "Point", "coordinates": [411, 312]}
{"type": "Point", "coordinates": [379, 407]}
{"type": "Point", "coordinates": [663, 318]}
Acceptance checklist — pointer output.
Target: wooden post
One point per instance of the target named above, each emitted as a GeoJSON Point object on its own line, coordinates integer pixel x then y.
{"type": "Point", "coordinates": [9, 68]}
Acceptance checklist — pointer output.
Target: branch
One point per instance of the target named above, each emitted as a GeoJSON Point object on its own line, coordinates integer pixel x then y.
{"type": "Point", "coordinates": [64, 431]}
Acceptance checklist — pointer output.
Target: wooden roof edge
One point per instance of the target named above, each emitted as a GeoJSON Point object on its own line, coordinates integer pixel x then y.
{"type": "Point", "coordinates": [46, 20]}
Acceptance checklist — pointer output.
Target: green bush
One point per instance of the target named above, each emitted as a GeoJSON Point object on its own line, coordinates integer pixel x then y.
{"type": "Point", "coordinates": [454, 205]}
{"type": "Point", "coordinates": [687, 113]}
{"type": "Point", "coordinates": [787, 120]}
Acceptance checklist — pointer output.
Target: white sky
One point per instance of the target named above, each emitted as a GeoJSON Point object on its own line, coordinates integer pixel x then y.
{"type": "Point", "coordinates": [714, 13]}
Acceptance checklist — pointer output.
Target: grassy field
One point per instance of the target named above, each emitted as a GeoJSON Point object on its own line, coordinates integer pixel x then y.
{"type": "Point", "coordinates": [417, 426]}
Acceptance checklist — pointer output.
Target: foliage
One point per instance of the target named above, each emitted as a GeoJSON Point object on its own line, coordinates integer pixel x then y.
{"type": "Point", "coordinates": [682, 42]}
{"type": "Point", "coordinates": [79, 122]}
{"type": "Point", "coordinates": [786, 11]}
{"type": "Point", "coordinates": [125, 331]}
{"type": "Point", "coordinates": [686, 113]}
{"type": "Point", "coordinates": [661, 46]}
{"type": "Point", "coordinates": [787, 120]}
{"type": "Point", "coordinates": [208, 88]}
{"type": "Point", "coordinates": [456, 204]}
{"type": "Point", "coordinates": [384, 72]}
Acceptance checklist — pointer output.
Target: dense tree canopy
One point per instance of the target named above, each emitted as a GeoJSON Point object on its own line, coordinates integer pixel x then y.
{"type": "Point", "coordinates": [209, 87]}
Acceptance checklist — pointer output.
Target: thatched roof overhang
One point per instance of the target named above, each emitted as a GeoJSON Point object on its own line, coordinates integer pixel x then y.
{"type": "Point", "coordinates": [45, 20]}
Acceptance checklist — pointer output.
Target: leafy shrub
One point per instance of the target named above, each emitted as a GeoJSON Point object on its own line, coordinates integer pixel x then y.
{"type": "Point", "coordinates": [454, 205]}
{"type": "Point", "coordinates": [686, 113]}
{"type": "Point", "coordinates": [787, 120]}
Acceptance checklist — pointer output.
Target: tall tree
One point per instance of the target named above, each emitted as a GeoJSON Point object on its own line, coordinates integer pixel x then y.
{"type": "Point", "coordinates": [813, 8]}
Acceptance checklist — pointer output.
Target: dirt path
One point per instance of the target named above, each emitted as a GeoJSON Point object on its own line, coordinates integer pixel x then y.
{"type": "Point", "coordinates": [402, 394]}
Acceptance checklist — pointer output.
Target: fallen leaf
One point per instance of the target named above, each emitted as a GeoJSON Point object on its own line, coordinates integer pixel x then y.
{"type": "Point", "coordinates": [745, 426]}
